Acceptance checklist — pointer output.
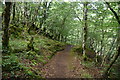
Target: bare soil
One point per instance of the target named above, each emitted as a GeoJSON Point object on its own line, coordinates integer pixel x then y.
{"type": "Point", "coordinates": [65, 65]}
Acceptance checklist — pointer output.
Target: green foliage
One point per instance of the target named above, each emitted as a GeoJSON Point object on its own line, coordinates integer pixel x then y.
{"type": "Point", "coordinates": [29, 74]}
{"type": "Point", "coordinates": [12, 67]}
{"type": "Point", "coordinates": [77, 50]}
{"type": "Point", "coordinates": [10, 63]}
{"type": "Point", "coordinates": [55, 47]}
{"type": "Point", "coordinates": [115, 72]}
{"type": "Point", "coordinates": [86, 75]}
{"type": "Point", "coordinates": [88, 64]}
{"type": "Point", "coordinates": [90, 54]}
{"type": "Point", "coordinates": [18, 45]}
{"type": "Point", "coordinates": [49, 45]}
{"type": "Point", "coordinates": [16, 30]}
{"type": "Point", "coordinates": [30, 55]}
{"type": "Point", "coordinates": [15, 65]}
{"type": "Point", "coordinates": [34, 57]}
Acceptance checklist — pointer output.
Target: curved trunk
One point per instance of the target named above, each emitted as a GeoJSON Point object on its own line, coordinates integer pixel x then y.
{"type": "Point", "coordinates": [118, 39]}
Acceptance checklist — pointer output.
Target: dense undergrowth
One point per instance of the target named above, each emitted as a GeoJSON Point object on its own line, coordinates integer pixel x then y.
{"type": "Point", "coordinates": [90, 54]}
{"type": "Point", "coordinates": [92, 63]}
{"type": "Point", "coordinates": [89, 63]}
{"type": "Point", "coordinates": [23, 63]}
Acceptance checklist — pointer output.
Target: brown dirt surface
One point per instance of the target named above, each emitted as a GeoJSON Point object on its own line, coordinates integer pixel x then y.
{"type": "Point", "coordinates": [65, 65]}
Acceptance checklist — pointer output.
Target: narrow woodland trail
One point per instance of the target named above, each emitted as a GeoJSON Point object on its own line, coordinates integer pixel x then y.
{"type": "Point", "coordinates": [64, 65]}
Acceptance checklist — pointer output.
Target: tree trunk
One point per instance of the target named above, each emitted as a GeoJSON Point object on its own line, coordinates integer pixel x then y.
{"type": "Point", "coordinates": [109, 54]}
{"type": "Point", "coordinates": [105, 74]}
{"type": "Point", "coordinates": [112, 62]}
{"type": "Point", "coordinates": [31, 44]}
{"type": "Point", "coordinates": [6, 17]}
{"type": "Point", "coordinates": [85, 29]}
{"type": "Point", "coordinates": [13, 12]}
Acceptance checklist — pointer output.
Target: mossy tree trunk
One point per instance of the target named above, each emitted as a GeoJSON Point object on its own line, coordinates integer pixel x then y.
{"type": "Point", "coordinates": [31, 44]}
{"type": "Point", "coordinates": [6, 18]}
{"type": "Point", "coordinates": [85, 10]}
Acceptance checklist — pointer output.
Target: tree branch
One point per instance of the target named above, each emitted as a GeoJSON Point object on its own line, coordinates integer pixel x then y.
{"type": "Point", "coordinates": [115, 14]}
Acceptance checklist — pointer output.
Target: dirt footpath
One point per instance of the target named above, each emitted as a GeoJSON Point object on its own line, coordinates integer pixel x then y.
{"type": "Point", "coordinates": [63, 65]}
